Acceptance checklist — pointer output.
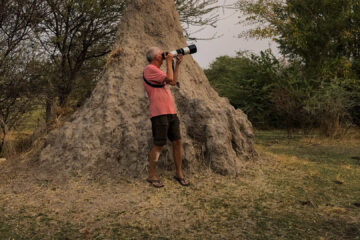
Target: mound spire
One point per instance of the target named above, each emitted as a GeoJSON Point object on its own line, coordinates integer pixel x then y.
{"type": "Point", "coordinates": [111, 133]}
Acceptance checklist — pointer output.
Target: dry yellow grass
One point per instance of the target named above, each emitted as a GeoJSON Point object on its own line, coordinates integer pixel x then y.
{"type": "Point", "coordinates": [282, 196]}
{"type": "Point", "coordinates": [91, 205]}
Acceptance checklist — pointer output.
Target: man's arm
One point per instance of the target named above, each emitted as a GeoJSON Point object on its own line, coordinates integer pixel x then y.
{"type": "Point", "coordinates": [169, 71]}
{"type": "Point", "coordinates": [176, 73]}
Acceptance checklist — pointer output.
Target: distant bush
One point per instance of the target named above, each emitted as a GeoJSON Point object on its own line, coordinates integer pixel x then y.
{"type": "Point", "coordinates": [329, 108]}
{"type": "Point", "coordinates": [279, 94]}
{"type": "Point", "coordinates": [247, 81]}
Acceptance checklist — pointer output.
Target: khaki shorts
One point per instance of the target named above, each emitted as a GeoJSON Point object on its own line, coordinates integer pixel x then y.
{"type": "Point", "coordinates": [165, 126]}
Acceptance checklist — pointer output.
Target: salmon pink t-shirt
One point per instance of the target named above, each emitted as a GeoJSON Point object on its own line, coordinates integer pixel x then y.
{"type": "Point", "coordinates": [161, 100]}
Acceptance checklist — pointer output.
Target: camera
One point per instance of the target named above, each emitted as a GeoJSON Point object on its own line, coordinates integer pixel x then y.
{"type": "Point", "coordinates": [186, 50]}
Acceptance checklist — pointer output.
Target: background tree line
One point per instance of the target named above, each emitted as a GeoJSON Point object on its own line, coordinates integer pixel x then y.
{"type": "Point", "coordinates": [316, 84]}
{"type": "Point", "coordinates": [51, 52]}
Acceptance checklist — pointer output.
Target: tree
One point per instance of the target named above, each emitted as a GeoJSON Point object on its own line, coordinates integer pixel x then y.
{"type": "Point", "coordinates": [324, 35]}
{"type": "Point", "coordinates": [16, 18]}
{"type": "Point", "coordinates": [72, 34]}
{"type": "Point", "coordinates": [197, 13]}
{"type": "Point", "coordinates": [248, 80]}
{"type": "Point", "coordinates": [315, 31]}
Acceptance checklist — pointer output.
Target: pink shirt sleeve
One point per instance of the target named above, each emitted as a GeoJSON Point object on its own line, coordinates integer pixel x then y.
{"type": "Point", "coordinates": [154, 74]}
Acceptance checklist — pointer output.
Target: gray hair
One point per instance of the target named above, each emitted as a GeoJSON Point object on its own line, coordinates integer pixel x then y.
{"type": "Point", "coordinates": [150, 54]}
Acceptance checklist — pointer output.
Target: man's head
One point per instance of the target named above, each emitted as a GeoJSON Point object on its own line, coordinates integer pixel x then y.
{"type": "Point", "coordinates": [153, 54]}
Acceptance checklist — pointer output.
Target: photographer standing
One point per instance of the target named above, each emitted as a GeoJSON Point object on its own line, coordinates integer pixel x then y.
{"type": "Point", "coordinates": [162, 112]}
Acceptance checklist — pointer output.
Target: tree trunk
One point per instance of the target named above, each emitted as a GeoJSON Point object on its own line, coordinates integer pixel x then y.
{"type": "Point", "coordinates": [50, 112]}
{"type": "Point", "coordinates": [111, 133]}
{"type": "Point", "coordinates": [64, 95]}
{"type": "Point", "coordinates": [2, 140]}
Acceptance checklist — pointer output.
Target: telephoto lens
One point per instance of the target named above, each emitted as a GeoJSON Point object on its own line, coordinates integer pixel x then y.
{"type": "Point", "coordinates": [184, 51]}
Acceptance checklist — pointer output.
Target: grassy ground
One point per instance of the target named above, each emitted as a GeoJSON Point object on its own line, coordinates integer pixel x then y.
{"type": "Point", "coordinates": [302, 188]}
{"type": "Point", "coordinates": [17, 140]}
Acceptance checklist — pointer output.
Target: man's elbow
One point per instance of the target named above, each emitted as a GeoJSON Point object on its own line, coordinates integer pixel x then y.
{"type": "Point", "coordinates": [169, 80]}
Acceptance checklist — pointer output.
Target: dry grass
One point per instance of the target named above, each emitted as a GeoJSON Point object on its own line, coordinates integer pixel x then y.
{"type": "Point", "coordinates": [297, 191]}
{"type": "Point", "coordinates": [122, 208]}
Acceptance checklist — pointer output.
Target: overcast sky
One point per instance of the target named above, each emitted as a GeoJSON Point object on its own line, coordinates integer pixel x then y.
{"type": "Point", "coordinates": [229, 43]}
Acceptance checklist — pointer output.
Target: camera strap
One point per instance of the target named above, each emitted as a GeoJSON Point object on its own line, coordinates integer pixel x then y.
{"type": "Point", "coordinates": [151, 84]}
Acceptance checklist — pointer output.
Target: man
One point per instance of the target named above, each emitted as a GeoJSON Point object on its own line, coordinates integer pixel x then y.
{"type": "Point", "coordinates": [162, 112]}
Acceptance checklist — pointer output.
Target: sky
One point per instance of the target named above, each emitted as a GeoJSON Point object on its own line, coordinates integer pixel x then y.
{"type": "Point", "coordinates": [228, 43]}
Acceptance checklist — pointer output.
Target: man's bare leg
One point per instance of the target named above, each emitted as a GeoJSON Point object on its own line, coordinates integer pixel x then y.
{"type": "Point", "coordinates": [177, 154]}
{"type": "Point", "coordinates": [153, 159]}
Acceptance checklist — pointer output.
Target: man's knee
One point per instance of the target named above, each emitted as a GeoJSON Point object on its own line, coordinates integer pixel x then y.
{"type": "Point", "coordinates": [156, 152]}
{"type": "Point", "coordinates": [158, 147]}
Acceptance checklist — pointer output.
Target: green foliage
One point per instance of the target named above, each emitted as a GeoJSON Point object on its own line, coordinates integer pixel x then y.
{"type": "Point", "coordinates": [330, 108]}
{"type": "Point", "coordinates": [71, 34]}
{"type": "Point", "coordinates": [315, 31]}
{"type": "Point", "coordinates": [247, 80]}
{"type": "Point", "coordinates": [322, 38]}
{"type": "Point", "coordinates": [17, 81]}
{"type": "Point", "coordinates": [278, 94]}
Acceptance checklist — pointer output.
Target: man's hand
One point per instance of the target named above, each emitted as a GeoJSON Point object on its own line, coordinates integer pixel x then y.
{"type": "Point", "coordinates": [169, 58]}
{"type": "Point", "coordinates": [179, 59]}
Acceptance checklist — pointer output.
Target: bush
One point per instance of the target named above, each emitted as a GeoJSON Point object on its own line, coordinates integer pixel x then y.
{"type": "Point", "coordinates": [277, 94]}
{"type": "Point", "coordinates": [329, 108]}
{"type": "Point", "coordinates": [247, 80]}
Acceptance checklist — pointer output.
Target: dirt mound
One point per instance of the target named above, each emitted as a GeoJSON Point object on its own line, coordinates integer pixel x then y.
{"type": "Point", "coordinates": [111, 133]}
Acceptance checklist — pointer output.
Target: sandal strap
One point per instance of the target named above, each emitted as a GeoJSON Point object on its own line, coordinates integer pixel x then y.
{"type": "Point", "coordinates": [182, 180]}
{"type": "Point", "coordinates": [156, 183]}
{"type": "Point", "coordinates": [153, 181]}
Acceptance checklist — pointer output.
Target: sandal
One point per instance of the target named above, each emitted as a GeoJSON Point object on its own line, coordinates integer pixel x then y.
{"type": "Point", "coordinates": [183, 181]}
{"type": "Point", "coordinates": [156, 183]}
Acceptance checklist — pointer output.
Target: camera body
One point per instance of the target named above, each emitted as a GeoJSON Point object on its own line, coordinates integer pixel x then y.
{"type": "Point", "coordinates": [184, 51]}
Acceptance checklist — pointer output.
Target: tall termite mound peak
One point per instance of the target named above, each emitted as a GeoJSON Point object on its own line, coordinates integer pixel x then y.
{"type": "Point", "coordinates": [111, 133]}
